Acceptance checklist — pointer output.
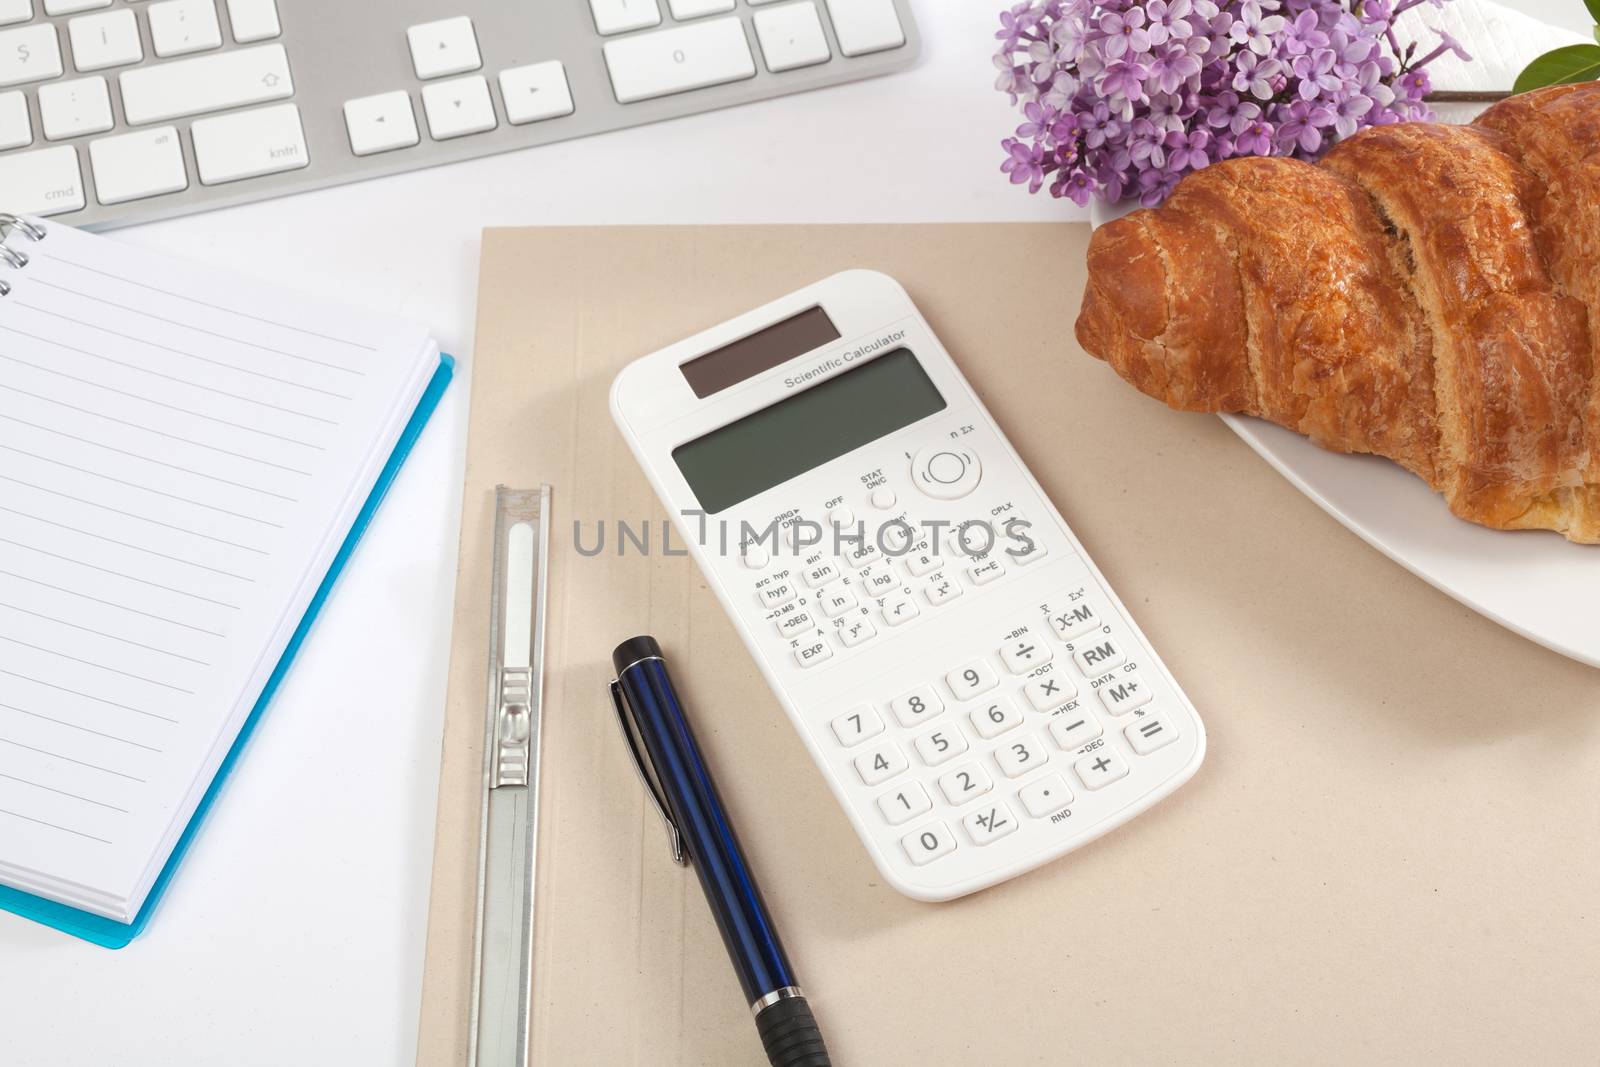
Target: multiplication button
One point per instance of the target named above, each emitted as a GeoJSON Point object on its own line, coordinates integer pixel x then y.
{"type": "Point", "coordinates": [1097, 658]}
{"type": "Point", "coordinates": [1049, 691]}
{"type": "Point", "coordinates": [1100, 768]}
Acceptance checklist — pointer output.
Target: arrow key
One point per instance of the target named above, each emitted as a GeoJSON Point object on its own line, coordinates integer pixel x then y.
{"type": "Point", "coordinates": [458, 108]}
{"type": "Point", "coordinates": [535, 92]}
{"type": "Point", "coordinates": [380, 123]}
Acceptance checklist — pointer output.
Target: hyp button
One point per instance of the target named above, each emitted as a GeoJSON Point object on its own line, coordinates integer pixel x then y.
{"type": "Point", "coordinates": [946, 472]}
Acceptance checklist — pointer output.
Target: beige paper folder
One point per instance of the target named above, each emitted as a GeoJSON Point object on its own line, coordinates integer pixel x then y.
{"type": "Point", "coordinates": [1389, 855]}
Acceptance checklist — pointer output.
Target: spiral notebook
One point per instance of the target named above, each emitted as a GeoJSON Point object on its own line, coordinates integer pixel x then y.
{"type": "Point", "coordinates": [186, 461]}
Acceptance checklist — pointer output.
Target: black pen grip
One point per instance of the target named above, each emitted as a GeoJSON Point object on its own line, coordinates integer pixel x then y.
{"type": "Point", "coordinates": [790, 1034]}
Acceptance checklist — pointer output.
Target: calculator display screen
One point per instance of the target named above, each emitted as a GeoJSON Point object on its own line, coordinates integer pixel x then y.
{"type": "Point", "coordinates": [761, 351]}
{"type": "Point", "coordinates": [768, 447]}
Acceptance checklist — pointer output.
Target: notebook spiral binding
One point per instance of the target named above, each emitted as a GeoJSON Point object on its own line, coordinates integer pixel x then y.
{"type": "Point", "coordinates": [15, 258]}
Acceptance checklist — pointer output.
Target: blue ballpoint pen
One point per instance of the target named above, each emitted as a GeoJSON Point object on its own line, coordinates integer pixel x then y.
{"type": "Point", "coordinates": [668, 760]}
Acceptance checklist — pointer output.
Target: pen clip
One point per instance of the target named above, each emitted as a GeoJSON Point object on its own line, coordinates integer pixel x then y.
{"type": "Point", "coordinates": [640, 760]}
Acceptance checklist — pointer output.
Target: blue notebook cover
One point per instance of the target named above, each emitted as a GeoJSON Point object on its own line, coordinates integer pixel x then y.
{"type": "Point", "coordinates": [109, 933]}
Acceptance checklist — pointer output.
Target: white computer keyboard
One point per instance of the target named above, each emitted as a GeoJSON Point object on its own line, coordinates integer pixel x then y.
{"type": "Point", "coordinates": [114, 111]}
{"type": "Point", "coordinates": [976, 695]}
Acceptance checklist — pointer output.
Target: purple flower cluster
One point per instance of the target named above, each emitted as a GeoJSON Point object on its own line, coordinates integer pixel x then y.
{"type": "Point", "coordinates": [1122, 98]}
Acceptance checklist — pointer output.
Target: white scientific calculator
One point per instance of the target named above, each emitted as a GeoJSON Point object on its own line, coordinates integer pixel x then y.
{"type": "Point", "coordinates": [976, 695]}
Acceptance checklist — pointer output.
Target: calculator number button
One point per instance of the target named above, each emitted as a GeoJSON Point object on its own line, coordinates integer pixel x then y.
{"type": "Point", "coordinates": [917, 706]}
{"type": "Point", "coordinates": [989, 823]}
{"type": "Point", "coordinates": [1024, 653]}
{"type": "Point", "coordinates": [1072, 623]}
{"type": "Point", "coordinates": [1150, 733]}
{"type": "Point", "coordinates": [1018, 757]}
{"type": "Point", "coordinates": [1123, 696]}
{"type": "Point", "coordinates": [929, 843]}
{"type": "Point", "coordinates": [776, 594]}
{"type": "Point", "coordinates": [1045, 796]}
{"type": "Point", "coordinates": [855, 632]}
{"type": "Point", "coordinates": [905, 804]}
{"type": "Point", "coordinates": [899, 610]}
{"type": "Point", "coordinates": [1100, 768]}
{"type": "Point", "coordinates": [820, 574]}
{"type": "Point", "coordinates": [813, 653]}
{"type": "Point", "coordinates": [856, 725]}
{"type": "Point", "coordinates": [995, 718]}
{"type": "Point", "coordinates": [941, 746]}
{"type": "Point", "coordinates": [1101, 656]}
{"type": "Point", "coordinates": [970, 679]}
{"type": "Point", "coordinates": [837, 599]}
{"type": "Point", "coordinates": [1072, 731]}
{"type": "Point", "coordinates": [1049, 691]}
{"type": "Point", "coordinates": [881, 764]}
{"type": "Point", "coordinates": [967, 782]}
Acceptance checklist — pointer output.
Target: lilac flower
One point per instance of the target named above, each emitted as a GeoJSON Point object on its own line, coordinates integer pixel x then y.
{"type": "Point", "coordinates": [1125, 33]}
{"type": "Point", "coordinates": [1122, 97]}
{"type": "Point", "coordinates": [1254, 30]}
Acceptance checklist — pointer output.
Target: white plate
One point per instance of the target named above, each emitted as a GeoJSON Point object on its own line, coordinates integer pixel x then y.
{"type": "Point", "coordinates": [1536, 583]}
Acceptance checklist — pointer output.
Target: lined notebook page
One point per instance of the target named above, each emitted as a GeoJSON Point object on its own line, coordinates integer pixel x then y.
{"type": "Point", "coordinates": [180, 457]}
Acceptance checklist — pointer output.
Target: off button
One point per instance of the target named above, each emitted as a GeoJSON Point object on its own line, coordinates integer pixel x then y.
{"type": "Point", "coordinates": [945, 472]}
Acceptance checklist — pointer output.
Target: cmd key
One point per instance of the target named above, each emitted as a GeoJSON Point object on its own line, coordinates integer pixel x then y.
{"type": "Point", "coordinates": [44, 182]}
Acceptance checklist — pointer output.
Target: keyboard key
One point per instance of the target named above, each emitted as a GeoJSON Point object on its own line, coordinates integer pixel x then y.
{"type": "Point", "coordinates": [73, 108]}
{"type": "Point", "coordinates": [970, 679]}
{"type": "Point", "coordinates": [1100, 657]}
{"type": "Point", "coordinates": [856, 725]}
{"type": "Point", "coordinates": [865, 26]}
{"type": "Point", "coordinates": [1072, 623]}
{"type": "Point", "coordinates": [919, 564]}
{"type": "Point", "coordinates": [776, 593]}
{"type": "Point", "coordinates": [42, 182]}
{"type": "Point", "coordinates": [1049, 691]}
{"type": "Point", "coordinates": [818, 574]}
{"type": "Point", "coordinates": [941, 746]}
{"type": "Point", "coordinates": [1074, 730]}
{"type": "Point", "coordinates": [855, 632]}
{"type": "Point", "coordinates": [458, 108]}
{"type": "Point", "coordinates": [986, 572]}
{"type": "Point", "coordinates": [1018, 757]}
{"type": "Point", "coordinates": [31, 54]}
{"type": "Point", "coordinates": [1023, 654]}
{"type": "Point", "coordinates": [813, 653]}
{"type": "Point", "coordinates": [941, 590]}
{"type": "Point", "coordinates": [1045, 796]}
{"type": "Point", "coordinates": [1023, 546]}
{"type": "Point", "coordinates": [995, 717]}
{"type": "Point", "coordinates": [15, 128]}
{"type": "Point", "coordinates": [1123, 696]}
{"type": "Point", "coordinates": [253, 20]}
{"type": "Point", "coordinates": [380, 123]}
{"type": "Point", "coordinates": [620, 16]}
{"type": "Point", "coordinates": [794, 623]}
{"type": "Point", "coordinates": [110, 39]}
{"type": "Point", "coordinates": [967, 782]}
{"type": "Point", "coordinates": [791, 36]}
{"type": "Point", "coordinates": [15, 11]}
{"type": "Point", "coordinates": [1150, 733]}
{"type": "Point", "coordinates": [210, 83]}
{"type": "Point", "coordinates": [230, 148]}
{"type": "Point", "coordinates": [917, 706]}
{"type": "Point", "coordinates": [180, 27]}
{"type": "Point", "coordinates": [72, 7]}
{"type": "Point", "coordinates": [880, 580]}
{"type": "Point", "coordinates": [445, 47]}
{"type": "Point", "coordinates": [929, 843]}
{"type": "Point", "coordinates": [136, 165]}
{"type": "Point", "coordinates": [1100, 768]}
{"type": "Point", "coordinates": [676, 60]}
{"type": "Point", "coordinates": [837, 599]}
{"type": "Point", "coordinates": [693, 9]}
{"type": "Point", "coordinates": [881, 763]}
{"type": "Point", "coordinates": [989, 823]}
{"type": "Point", "coordinates": [905, 803]}
{"type": "Point", "coordinates": [900, 609]}
{"type": "Point", "coordinates": [536, 92]}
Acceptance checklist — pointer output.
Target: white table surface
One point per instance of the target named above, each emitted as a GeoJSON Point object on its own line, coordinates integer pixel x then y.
{"type": "Point", "coordinates": [294, 933]}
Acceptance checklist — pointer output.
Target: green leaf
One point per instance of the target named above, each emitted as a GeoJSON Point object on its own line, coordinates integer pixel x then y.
{"type": "Point", "coordinates": [1574, 63]}
{"type": "Point", "coordinates": [1594, 10]}
{"type": "Point", "coordinates": [1597, 33]}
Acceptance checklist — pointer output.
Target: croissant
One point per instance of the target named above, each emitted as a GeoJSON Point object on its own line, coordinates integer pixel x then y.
{"type": "Point", "coordinates": [1428, 293]}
